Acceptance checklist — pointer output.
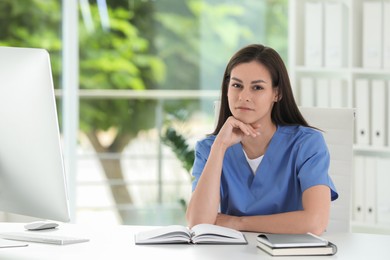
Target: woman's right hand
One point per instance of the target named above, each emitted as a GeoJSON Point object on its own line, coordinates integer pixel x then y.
{"type": "Point", "coordinates": [233, 131]}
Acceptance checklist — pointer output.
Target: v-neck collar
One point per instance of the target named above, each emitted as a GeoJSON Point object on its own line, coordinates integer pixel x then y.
{"type": "Point", "coordinates": [261, 172]}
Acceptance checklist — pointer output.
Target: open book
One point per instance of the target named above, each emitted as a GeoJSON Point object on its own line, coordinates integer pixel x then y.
{"type": "Point", "coordinates": [295, 244]}
{"type": "Point", "coordinates": [199, 234]}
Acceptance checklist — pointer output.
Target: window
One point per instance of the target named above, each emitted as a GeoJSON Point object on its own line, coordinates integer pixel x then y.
{"type": "Point", "coordinates": [149, 72]}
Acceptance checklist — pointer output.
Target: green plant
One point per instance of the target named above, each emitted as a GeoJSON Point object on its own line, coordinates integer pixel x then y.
{"type": "Point", "coordinates": [183, 152]}
{"type": "Point", "coordinates": [180, 147]}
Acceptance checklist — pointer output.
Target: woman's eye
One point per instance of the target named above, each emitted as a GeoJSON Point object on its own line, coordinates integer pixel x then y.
{"type": "Point", "coordinates": [257, 87]}
{"type": "Point", "coordinates": [235, 85]}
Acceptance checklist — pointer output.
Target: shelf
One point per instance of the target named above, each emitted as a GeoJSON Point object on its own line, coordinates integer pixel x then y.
{"type": "Point", "coordinates": [378, 72]}
{"type": "Point", "coordinates": [328, 70]}
{"type": "Point", "coordinates": [362, 227]}
{"type": "Point", "coordinates": [349, 70]}
{"type": "Point", "coordinates": [324, 70]}
{"type": "Point", "coordinates": [371, 150]}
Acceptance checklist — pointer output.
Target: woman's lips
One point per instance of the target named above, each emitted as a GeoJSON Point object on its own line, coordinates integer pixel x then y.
{"type": "Point", "coordinates": [245, 108]}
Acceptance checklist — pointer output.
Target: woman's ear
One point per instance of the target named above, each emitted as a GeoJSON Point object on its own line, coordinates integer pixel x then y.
{"type": "Point", "coordinates": [278, 95]}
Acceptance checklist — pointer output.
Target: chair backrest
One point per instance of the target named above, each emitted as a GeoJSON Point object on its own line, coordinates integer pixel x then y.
{"type": "Point", "coordinates": [337, 125]}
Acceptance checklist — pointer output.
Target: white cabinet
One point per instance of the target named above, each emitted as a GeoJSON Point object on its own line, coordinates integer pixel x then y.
{"type": "Point", "coordinates": [339, 56]}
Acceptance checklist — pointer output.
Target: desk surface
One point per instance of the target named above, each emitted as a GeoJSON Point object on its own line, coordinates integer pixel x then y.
{"type": "Point", "coordinates": [117, 242]}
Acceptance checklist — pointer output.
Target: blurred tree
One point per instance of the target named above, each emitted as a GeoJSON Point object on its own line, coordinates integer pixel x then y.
{"type": "Point", "coordinates": [33, 23]}
{"type": "Point", "coordinates": [116, 57]}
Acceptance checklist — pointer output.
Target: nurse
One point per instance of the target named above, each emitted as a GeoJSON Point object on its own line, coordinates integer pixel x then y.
{"type": "Point", "coordinates": [263, 169]}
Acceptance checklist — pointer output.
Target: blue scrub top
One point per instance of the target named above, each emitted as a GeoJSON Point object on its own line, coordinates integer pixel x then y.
{"type": "Point", "coordinates": [297, 158]}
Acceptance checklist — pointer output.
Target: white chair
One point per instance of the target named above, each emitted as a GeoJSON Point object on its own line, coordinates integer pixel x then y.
{"type": "Point", "coordinates": [337, 125]}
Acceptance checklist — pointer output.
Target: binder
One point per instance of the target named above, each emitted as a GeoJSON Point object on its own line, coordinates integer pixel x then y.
{"type": "Point", "coordinates": [383, 191]}
{"type": "Point", "coordinates": [307, 92]}
{"type": "Point", "coordinates": [313, 29]}
{"type": "Point", "coordinates": [335, 34]}
{"type": "Point", "coordinates": [338, 93]}
{"type": "Point", "coordinates": [386, 35]}
{"type": "Point", "coordinates": [387, 114]}
{"type": "Point", "coordinates": [362, 103]}
{"type": "Point", "coordinates": [370, 211]}
{"type": "Point", "coordinates": [378, 112]}
{"type": "Point", "coordinates": [372, 34]}
{"type": "Point", "coordinates": [358, 189]}
{"type": "Point", "coordinates": [322, 92]}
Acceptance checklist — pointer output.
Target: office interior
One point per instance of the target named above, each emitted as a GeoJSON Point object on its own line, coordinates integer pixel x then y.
{"type": "Point", "coordinates": [136, 82]}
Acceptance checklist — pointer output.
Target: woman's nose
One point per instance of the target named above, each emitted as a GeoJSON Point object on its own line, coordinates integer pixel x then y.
{"type": "Point", "coordinates": [245, 95]}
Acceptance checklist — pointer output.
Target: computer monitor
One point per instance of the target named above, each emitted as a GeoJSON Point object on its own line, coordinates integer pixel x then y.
{"type": "Point", "coordinates": [32, 176]}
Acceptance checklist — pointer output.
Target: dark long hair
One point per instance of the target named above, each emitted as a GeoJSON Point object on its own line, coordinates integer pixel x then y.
{"type": "Point", "coordinates": [285, 111]}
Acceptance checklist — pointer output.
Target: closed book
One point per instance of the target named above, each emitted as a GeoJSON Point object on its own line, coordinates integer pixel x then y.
{"type": "Point", "coordinates": [329, 249]}
{"type": "Point", "coordinates": [295, 244]}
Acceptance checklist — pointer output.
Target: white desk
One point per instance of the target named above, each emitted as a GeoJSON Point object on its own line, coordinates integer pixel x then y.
{"type": "Point", "coordinates": [117, 242]}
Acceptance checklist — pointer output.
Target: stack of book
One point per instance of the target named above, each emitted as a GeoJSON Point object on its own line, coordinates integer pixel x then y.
{"type": "Point", "coordinates": [295, 244]}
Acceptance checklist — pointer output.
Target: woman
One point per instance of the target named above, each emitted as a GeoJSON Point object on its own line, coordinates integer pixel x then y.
{"type": "Point", "coordinates": [263, 169]}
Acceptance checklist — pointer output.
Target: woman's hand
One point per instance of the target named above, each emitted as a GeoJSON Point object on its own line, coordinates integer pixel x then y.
{"type": "Point", "coordinates": [233, 131]}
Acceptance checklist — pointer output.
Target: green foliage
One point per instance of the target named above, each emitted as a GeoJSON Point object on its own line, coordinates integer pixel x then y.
{"type": "Point", "coordinates": [33, 23]}
{"type": "Point", "coordinates": [117, 58]}
{"type": "Point", "coordinates": [179, 146]}
{"type": "Point", "coordinates": [277, 26]}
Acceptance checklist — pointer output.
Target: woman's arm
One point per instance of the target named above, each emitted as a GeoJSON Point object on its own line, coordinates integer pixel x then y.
{"type": "Point", "coordinates": [313, 218]}
{"type": "Point", "coordinates": [204, 203]}
{"type": "Point", "coordinates": [205, 199]}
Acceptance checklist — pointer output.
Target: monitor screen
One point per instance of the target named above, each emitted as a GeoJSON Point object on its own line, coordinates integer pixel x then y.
{"type": "Point", "coordinates": [32, 177]}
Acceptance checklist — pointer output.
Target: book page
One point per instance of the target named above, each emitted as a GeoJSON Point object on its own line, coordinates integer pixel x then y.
{"type": "Point", "coordinates": [208, 233]}
{"type": "Point", "coordinates": [168, 234]}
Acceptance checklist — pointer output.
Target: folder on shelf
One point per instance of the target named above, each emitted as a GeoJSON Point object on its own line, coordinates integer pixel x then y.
{"type": "Point", "coordinates": [313, 30]}
{"type": "Point", "coordinates": [335, 34]}
{"type": "Point", "coordinates": [362, 104]}
{"type": "Point", "coordinates": [372, 34]}
{"type": "Point", "coordinates": [386, 35]}
{"type": "Point", "coordinates": [370, 190]}
{"type": "Point", "coordinates": [388, 113]}
{"type": "Point", "coordinates": [338, 93]}
{"type": "Point", "coordinates": [358, 188]}
{"type": "Point", "coordinates": [322, 92]}
{"type": "Point", "coordinates": [383, 191]}
{"type": "Point", "coordinates": [378, 112]}
{"type": "Point", "coordinates": [307, 92]}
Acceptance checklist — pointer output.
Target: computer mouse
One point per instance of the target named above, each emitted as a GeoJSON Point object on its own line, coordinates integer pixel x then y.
{"type": "Point", "coordinates": [40, 225]}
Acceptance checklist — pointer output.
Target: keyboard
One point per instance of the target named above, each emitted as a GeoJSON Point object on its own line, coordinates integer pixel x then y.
{"type": "Point", "coordinates": [42, 238]}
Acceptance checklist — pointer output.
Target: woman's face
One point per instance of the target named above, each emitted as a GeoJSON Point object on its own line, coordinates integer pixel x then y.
{"type": "Point", "coordinates": [250, 93]}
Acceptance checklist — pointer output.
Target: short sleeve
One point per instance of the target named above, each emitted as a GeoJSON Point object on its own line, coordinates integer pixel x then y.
{"type": "Point", "coordinates": [202, 152]}
{"type": "Point", "coordinates": [313, 163]}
